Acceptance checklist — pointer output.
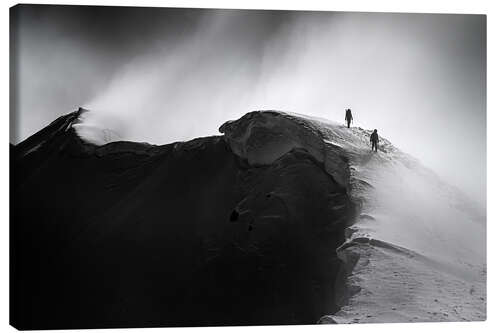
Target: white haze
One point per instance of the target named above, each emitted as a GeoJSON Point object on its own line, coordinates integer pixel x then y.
{"type": "Point", "coordinates": [418, 79]}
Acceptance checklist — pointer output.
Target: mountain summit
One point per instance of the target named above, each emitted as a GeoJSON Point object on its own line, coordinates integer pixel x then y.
{"type": "Point", "coordinates": [283, 219]}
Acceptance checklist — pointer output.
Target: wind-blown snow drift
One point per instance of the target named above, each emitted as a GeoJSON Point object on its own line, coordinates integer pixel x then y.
{"type": "Point", "coordinates": [416, 250]}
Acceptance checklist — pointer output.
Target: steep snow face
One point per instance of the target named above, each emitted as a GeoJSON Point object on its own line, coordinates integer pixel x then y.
{"type": "Point", "coordinates": [416, 249]}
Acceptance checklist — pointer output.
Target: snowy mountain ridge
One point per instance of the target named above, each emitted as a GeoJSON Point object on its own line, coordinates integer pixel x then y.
{"type": "Point", "coordinates": [406, 217]}
{"type": "Point", "coordinates": [405, 213]}
{"type": "Point", "coordinates": [359, 236]}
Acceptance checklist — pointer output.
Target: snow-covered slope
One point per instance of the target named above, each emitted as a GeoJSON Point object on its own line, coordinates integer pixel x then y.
{"type": "Point", "coordinates": [416, 250]}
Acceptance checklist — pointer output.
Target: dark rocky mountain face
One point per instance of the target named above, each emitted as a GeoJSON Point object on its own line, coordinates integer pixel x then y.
{"type": "Point", "coordinates": [185, 234]}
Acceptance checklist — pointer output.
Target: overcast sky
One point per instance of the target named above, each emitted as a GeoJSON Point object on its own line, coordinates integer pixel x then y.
{"type": "Point", "coordinates": [164, 75]}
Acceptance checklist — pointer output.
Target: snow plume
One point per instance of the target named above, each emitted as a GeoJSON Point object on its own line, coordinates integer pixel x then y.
{"type": "Point", "coordinates": [237, 61]}
{"type": "Point", "coordinates": [186, 89]}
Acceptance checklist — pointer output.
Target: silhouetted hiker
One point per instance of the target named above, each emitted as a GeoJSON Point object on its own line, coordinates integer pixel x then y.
{"type": "Point", "coordinates": [348, 117]}
{"type": "Point", "coordinates": [374, 140]}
